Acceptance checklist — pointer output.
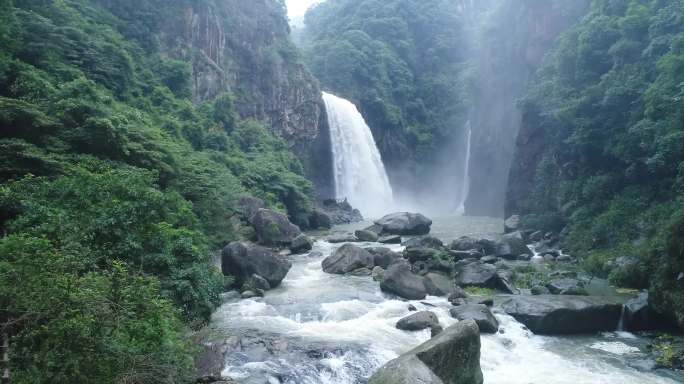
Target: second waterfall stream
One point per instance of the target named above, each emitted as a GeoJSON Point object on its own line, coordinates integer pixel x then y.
{"type": "Point", "coordinates": [359, 172]}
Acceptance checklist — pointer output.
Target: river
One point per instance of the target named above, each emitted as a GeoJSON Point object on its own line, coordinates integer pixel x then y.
{"type": "Point", "coordinates": [318, 328]}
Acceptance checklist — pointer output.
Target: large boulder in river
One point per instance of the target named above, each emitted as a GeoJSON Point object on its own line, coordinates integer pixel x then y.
{"type": "Point", "coordinates": [451, 357]}
{"type": "Point", "coordinates": [480, 313]}
{"type": "Point", "coordinates": [512, 224]}
{"type": "Point", "coordinates": [640, 316]}
{"type": "Point", "coordinates": [566, 286]}
{"type": "Point", "coordinates": [301, 244]}
{"type": "Point", "coordinates": [273, 228]}
{"type": "Point", "coordinates": [242, 260]}
{"type": "Point", "coordinates": [401, 281]}
{"type": "Point", "coordinates": [478, 274]}
{"type": "Point", "coordinates": [418, 321]}
{"type": "Point", "coordinates": [319, 219]}
{"type": "Point", "coordinates": [439, 284]}
{"type": "Point", "coordinates": [565, 315]}
{"type": "Point", "coordinates": [511, 245]}
{"type": "Point", "coordinates": [347, 259]}
{"type": "Point", "coordinates": [365, 235]}
{"type": "Point", "coordinates": [405, 224]}
{"type": "Point", "coordinates": [423, 242]}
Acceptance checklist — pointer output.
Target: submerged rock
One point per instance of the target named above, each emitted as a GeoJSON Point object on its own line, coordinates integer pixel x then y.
{"type": "Point", "coordinates": [418, 321]}
{"type": "Point", "coordinates": [243, 259]}
{"type": "Point", "coordinates": [406, 224]}
{"type": "Point", "coordinates": [565, 315]}
{"type": "Point", "coordinates": [451, 357]}
{"type": "Point", "coordinates": [480, 313]}
{"type": "Point", "coordinates": [348, 258]}
{"type": "Point", "coordinates": [273, 228]}
{"type": "Point", "coordinates": [399, 280]}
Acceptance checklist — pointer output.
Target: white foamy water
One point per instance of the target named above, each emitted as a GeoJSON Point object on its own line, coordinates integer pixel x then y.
{"type": "Point", "coordinates": [340, 329]}
{"type": "Point", "coordinates": [359, 173]}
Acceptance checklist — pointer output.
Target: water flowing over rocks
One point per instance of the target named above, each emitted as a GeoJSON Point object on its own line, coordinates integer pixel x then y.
{"type": "Point", "coordinates": [452, 357]}
{"type": "Point", "coordinates": [565, 315]}
{"type": "Point", "coordinates": [243, 259]}
{"type": "Point", "coordinates": [405, 224]}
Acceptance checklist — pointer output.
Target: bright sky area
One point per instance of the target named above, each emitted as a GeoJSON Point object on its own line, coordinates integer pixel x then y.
{"type": "Point", "coordinates": [297, 8]}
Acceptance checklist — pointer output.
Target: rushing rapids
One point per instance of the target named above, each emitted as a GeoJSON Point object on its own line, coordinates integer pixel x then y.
{"type": "Point", "coordinates": [318, 328]}
{"type": "Point", "coordinates": [359, 173]}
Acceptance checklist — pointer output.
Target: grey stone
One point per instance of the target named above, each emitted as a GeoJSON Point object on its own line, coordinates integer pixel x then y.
{"type": "Point", "coordinates": [480, 313]}
{"type": "Point", "coordinates": [399, 280]}
{"type": "Point", "coordinates": [346, 259]}
{"type": "Point", "coordinates": [404, 223]}
{"type": "Point", "coordinates": [243, 259]}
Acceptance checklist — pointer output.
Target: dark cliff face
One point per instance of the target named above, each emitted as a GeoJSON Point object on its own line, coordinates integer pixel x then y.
{"type": "Point", "coordinates": [513, 44]}
{"type": "Point", "coordinates": [244, 47]}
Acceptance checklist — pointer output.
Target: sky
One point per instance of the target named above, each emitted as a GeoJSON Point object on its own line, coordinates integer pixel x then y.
{"type": "Point", "coordinates": [297, 8]}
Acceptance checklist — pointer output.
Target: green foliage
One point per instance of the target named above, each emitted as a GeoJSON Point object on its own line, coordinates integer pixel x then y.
{"type": "Point", "coordinates": [608, 99]}
{"type": "Point", "coordinates": [114, 190]}
{"type": "Point", "coordinates": [88, 325]}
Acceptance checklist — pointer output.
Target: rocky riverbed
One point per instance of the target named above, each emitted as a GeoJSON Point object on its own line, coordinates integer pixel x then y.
{"type": "Point", "coordinates": [342, 327]}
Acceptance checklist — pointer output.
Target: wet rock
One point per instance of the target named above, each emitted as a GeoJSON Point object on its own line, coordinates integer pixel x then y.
{"type": "Point", "coordinates": [346, 259]}
{"type": "Point", "coordinates": [210, 362]}
{"type": "Point", "coordinates": [383, 257]}
{"type": "Point", "coordinates": [399, 280]}
{"type": "Point", "coordinates": [536, 236]}
{"type": "Point", "coordinates": [438, 284]}
{"type": "Point", "coordinates": [412, 308]}
{"type": "Point", "coordinates": [566, 287]}
{"type": "Point", "coordinates": [564, 315]}
{"type": "Point", "coordinates": [436, 330]}
{"type": "Point", "coordinates": [243, 259]}
{"type": "Point", "coordinates": [489, 259]}
{"type": "Point", "coordinates": [423, 242]}
{"type": "Point", "coordinates": [342, 238]}
{"type": "Point", "coordinates": [465, 255]}
{"type": "Point", "coordinates": [406, 224]}
{"type": "Point", "coordinates": [480, 313]}
{"type": "Point", "coordinates": [464, 243]}
{"type": "Point", "coordinates": [458, 294]}
{"type": "Point", "coordinates": [361, 272]}
{"type": "Point", "coordinates": [319, 219]}
{"type": "Point", "coordinates": [511, 245]}
{"type": "Point", "coordinates": [512, 224]}
{"type": "Point", "coordinates": [255, 282]}
{"type": "Point", "coordinates": [340, 212]}
{"type": "Point", "coordinates": [539, 290]}
{"type": "Point", "coordinates": [549, 258]}
{"type": "Point", "coordinates": [390, 239]}
{"type": "Point", "coordinates": [418, 321]}
{"type": "Point", "coordinates": [364, 235]}
{"type": "Point", "coordinates": [301, 244]}
{"type": "Point", "coordinates": [378, 273]}
{"type": "Point", "coordinates": [640, 316]}
{"type": "Point", "coordinates": [415, 254]}
{"type": "Point", "coordinates": [451, 357]}
{"type": "Point", "coordinates": [273, 228]}
{"type": "Point", "coordinates": [481, 275]}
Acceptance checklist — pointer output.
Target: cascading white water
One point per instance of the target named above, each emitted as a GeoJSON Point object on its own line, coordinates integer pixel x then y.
{"type": "Point", "coordinates": [465, 184]}
{"type": "Point", "coordinates": [359, 173]}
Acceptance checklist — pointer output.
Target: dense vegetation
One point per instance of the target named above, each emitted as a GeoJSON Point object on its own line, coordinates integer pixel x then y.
{"type": "Point", "coordinates": [114, 189]}
{"type": "Point", "coordinates": [609, 103]}
{"type": "Point", "coordinates": [404, 64]}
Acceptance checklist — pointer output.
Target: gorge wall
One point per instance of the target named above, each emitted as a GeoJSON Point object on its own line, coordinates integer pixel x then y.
{"type": "Point", "coordinates": [244, 48]}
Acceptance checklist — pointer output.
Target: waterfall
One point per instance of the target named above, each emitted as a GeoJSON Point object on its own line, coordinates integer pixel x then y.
{"type": "Point", "coordinates": [359, 173]}
{"type": "Point", "coordinates": [465, 184]}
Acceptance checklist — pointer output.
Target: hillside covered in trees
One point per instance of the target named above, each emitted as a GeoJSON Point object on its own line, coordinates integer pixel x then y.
{"type": "Point", "coordinates": [121, 158]}
{"type": "Point", "coordinates": [600, 151]}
